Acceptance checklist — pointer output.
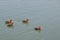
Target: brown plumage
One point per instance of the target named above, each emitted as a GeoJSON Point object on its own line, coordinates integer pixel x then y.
{"type": "Point", "coordinates": [25, 21]}
{"type": "Point", "coordinates": [10, 22]}
{"type": "Point", "coordinates": [38, 28]}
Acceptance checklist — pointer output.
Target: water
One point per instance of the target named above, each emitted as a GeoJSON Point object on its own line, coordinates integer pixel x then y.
{"type": "Point", "coordinates": [40, 12]}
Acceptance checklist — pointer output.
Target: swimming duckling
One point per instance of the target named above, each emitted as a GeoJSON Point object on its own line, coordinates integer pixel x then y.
{"type": "Point", "coordinates": [38, 28]}
{"type": "Point", "coordinates": [8, 21]}
{"type": "Point", "coordinates": [25, 21]}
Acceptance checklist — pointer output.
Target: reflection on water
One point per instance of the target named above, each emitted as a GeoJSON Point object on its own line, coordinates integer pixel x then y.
{"type": "Point", "coordinates": [10, 26]}
{"type": "Point", "coordinates": [38, 30]}
{"type": "Point", "coordinates": [27, 24]}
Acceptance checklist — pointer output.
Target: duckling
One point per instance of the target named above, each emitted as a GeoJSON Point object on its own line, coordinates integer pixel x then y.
{"type": "Point", "coordinates": [25, 21]}
{"type": "Point", "coordinates": [38, 28]}
{"type": "Point", "coordinates": [8, 21]}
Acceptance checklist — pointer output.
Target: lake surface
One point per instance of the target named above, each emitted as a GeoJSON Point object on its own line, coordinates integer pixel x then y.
{"type": "Point", "coordinates": [40, 12]}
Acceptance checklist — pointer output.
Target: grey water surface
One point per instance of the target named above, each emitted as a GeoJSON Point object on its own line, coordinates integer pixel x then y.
{"type": "Point", "coordinates": [40, 12]}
